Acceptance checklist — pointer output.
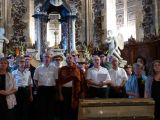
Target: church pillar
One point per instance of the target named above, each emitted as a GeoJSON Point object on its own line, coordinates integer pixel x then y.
{"type": "Point", "coordinates": [73, 38]}
{"type": "Point", "coordinates": [88, 21]}
{"type": "Point", "coordinates": [31, 22]}
{"type": "Point", "coordinates": [64, 35]}
{"type": "Point", "coordinates": [72, 32]}
{"type": "Point", "coordinates": [40, 19]}
{"type": "Point", "coordinates": [156, 17]}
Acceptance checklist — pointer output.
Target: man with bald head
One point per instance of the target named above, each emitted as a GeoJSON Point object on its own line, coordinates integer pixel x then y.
{"type": "Point", "coordinates": [118, 79]}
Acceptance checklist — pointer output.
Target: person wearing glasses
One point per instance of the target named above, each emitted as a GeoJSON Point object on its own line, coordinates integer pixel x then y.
{"type": "Point", "coordinates": [24, 85]}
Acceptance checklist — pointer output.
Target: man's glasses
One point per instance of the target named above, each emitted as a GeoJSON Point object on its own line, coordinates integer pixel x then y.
{"type": "Point", "coordinates": [57, 59]}
{"type": "Point", "coordinates": [102, 56]}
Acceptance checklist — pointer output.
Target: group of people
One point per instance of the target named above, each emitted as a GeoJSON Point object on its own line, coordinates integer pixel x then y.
{"type": "Point", "coordinates": [52, 90]}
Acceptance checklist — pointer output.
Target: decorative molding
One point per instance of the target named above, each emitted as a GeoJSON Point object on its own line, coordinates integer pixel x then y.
{"type": "Point", "coordinates": [76, 7]}
{"type": "Point", "coordinates": [18, 11]}
{"type": "Point", "coordinates": [148, 20]}
{"type": "Point", "coordinates": [119, 13]}
{"type": "Point", "coordinates": [97, 7]}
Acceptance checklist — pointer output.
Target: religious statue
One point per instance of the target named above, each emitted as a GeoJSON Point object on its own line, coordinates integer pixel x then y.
{"type": "Point", "coordinates": [114, 44]}
{"type": "Point", "coordinates": [38, 8]}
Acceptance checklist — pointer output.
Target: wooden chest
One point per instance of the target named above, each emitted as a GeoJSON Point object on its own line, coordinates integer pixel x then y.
{"type": "Point", "coordinates": [116, 109]}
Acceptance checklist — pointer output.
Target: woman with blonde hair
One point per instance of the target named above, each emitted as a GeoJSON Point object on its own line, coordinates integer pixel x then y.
{"type": "Point", "coordinates": [7, 90]}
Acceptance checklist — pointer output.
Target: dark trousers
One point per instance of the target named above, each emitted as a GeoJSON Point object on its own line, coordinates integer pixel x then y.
{"type": "Point", "coordinates": [157, 110]}
{"type": "Point", "coordinates": [32, 104]}
{"type": "Point", "coordinates": [46, 103]}
{"type": "Point", "coordinates": [97, 92]}
{"type": "Point", "coordinates": [22, 108]}
{"type": "Point", "coordinates": [114, 94]}
{"type": "Point", "coordinates": [5, 113]}
{"type": "Point", "coordinates": [67, 112]}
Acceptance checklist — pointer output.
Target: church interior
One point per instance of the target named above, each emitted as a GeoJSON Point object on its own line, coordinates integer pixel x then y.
{"type": "Point", "coordinates": [126, 30]}
{"type": "Point", "coordinates": [39, 24]}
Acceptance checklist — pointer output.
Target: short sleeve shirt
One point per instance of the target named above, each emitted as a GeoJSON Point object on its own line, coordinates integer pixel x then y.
{"type": "Point", "coordinates": [92, 74]}
{"type": "Point", "coordinates": [46, 76]}
{"type": "Point", "coordinates": [117, 76]}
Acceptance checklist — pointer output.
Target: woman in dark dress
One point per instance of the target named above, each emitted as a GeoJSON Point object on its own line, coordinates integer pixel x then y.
{"type": "Point", "coordinates": [7, 90]}
{"type": "Point", "coordinates": [155, 88]}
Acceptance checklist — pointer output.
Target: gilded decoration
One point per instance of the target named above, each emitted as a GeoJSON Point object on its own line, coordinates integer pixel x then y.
{"type": "Point", "coordinates": [98, 32]}
{"type": "Point", "coordinates": [18, 11]}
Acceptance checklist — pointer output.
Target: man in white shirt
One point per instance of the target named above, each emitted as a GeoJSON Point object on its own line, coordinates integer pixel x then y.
{"type": "Point", "coordinates": [118, 79]}
{"type": "Point", "coordinates": [45, 77]}
{"type": "Point", "coordinates": [24, 86]}
{"type": "Point", "coordinates": [98, 78]}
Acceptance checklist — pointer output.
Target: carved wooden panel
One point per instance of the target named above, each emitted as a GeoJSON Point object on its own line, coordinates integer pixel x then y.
{"type": "Point", "coordinates": [149, 50]}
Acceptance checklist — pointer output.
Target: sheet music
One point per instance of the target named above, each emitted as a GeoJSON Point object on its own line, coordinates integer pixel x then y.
{"type": "Point", "coordinates": [101, 77]}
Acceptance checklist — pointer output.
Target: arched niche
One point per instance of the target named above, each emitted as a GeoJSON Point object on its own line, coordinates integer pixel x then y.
{"type": "Point", "coordinates": [66, 20]}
